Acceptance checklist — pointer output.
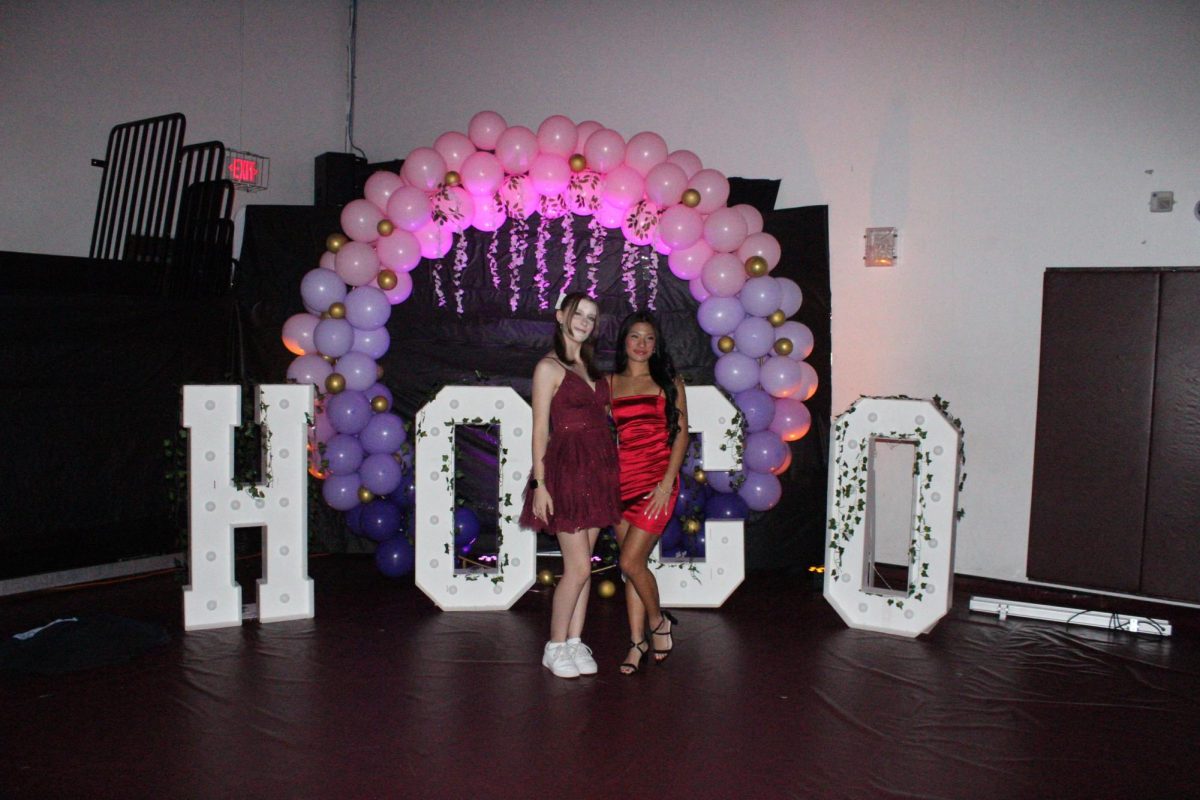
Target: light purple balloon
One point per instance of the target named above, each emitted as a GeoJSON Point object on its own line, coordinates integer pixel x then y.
{"type": "Point", "coordinates": [380, 473]}
{"type": "Point", "coordinates": [298, 333]}
{"type": "Point", "coordinates": [736, 372]}
{"type": "Point", "coordinates": [757, 407]}
{"type": "Point", "coordinates": [359, 370]}
{"type": "Point", "coordinates": [383, 434]}
{"type": "Point", "coordinates": [800, 337]}
{"type": "Point", "coordinates": [808, 381]}
{"type": "Point", "coordinates": [379, 390]}
{"type": "Point", "coordinates": [723, 275]}
{"type": "Point", "coordinates": [720, 315]}
{"type": "Point", "coordinates": [792, 419]}
{"type": "Point", "coordinates": [341, 491]}
{"type": "Point", "coordinates": [722, 480]}
{"type": "Point", "coordinates": [790, 296]}
{"type": "Point", "coordinates": [781, 376]}
{"type": "Point", "coordinates": [760, 296]}
{"type": "Point", "coordinates": [764, 451]}
{"type": "Point", "coordinates": [716, 346]}
{"type": "Point", "coordinates": [754, 336]}
{"type": "Point", "coordinates": [374, 343]}
{"type": "Point", "coordinates": [321, 288]}
{"type": "Point", "coordinates": [309, 369]}
{"type": "Point", "coordinates": [367, 308]}
{"type": "Point", "coordinates": [761, 491]}
{"type": "Point", "coordinates": [334, 337]}
{"type": "Point", "coordinates": [348, 411]}
{"type": "Point", "coordinates": [343, 453]}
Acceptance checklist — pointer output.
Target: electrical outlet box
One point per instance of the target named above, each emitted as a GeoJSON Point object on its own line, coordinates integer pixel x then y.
{"type": "Point", "coordinates": [1161, 202]}
{"type": "Point", "coordinates": [880, 248]}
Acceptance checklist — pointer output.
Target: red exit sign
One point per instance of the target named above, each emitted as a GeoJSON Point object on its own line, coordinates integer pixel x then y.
{"type": "Point", "coordinates": [248, 171]}
{"type": "Point", "coordinates": [243, 170]}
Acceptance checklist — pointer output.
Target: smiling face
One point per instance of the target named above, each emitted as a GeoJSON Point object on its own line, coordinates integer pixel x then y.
{"type": "Point", "coordinates": [640, 342]}
{"type": "Point", "coordinates": [581, 322]}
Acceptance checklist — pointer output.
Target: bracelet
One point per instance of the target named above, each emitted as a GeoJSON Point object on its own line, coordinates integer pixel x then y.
{"type": "Point", "coordinates": [660, 489]}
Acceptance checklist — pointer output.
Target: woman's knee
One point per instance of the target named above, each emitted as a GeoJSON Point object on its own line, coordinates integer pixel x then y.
{"type": "Point", "coordinates": [631, 564]}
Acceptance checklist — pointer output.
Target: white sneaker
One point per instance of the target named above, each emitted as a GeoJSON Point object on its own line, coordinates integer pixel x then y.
{"type": "Point", "coordinates": [557, 658]}
{"type": "Point", "coordinates": [581, 654]}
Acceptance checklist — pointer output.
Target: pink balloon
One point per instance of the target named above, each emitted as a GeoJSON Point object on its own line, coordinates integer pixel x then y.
{"type": "Point", "coordinates": [489, 214]}
{"type": "Point", "coordinates": [660, 247]}
{"type": "Point", "coordinates": [799, 335]}
{"type": "Point", "coordinates": [645, 151]}
{"type": "Point", "coordinates": [328, 259]}
{"type": "Point", "coordinates": [754, 220]}
{"type": "Point", "coordinates": [516, 149]}
{"type": "Point", "coordinates": [724, 275]}
{"type": "Point", "coordinates": [640, 223]}
{"type": "Point", "coordinates": [481, 174]}
{"type": "Point", "coordinates": [557, 136]}
{"type": "Point", "coordinates": [622, 187]}
{"type": "Point", "coordinates": [696, 287]}
{"type": "Point", "coordinates": [400, 251]}
{"type": "Point", "coordinates": [713, 188]}
{"type": "Point", "coordinates": [519, 196]}
{"type": "Point", "coordinates": [298, 333]}
{"type": "Point", "coordinates": [605, 150]}
{"type": "Point", "coordinates": [681, 226]}
{"type": "Point", "coordinates": [687, 263]}
{"type": "Point", "coordinates": [610, 216]}
{"type": "Point", "coordinates": [408, 208]}
{"type": "Point", "coordinates": [550, 172]}
{"type": "Point", "coordinates": [485, 128]}
{"type": "Point", "coordinates": [585, 129]}
{"type": "Point", "coordinates": [725, 229]}
{"type": "Point", "coordinates": [357, 263]}
{"type": "Point", "coordinates": [360, 220]}
{"type": "Point", "coordinates": [454, 207]}
{"type": "Point", "coordinates": [665, 184]}
{"type": "Point", "coordinates": [792, 419]}
{"type": "Point", "coordinates": [379, 188]}
{"type": "Point", "coordinates": [424, 168]}
{"type": "Point", "coordinates": [686, 160]}
{"type": "Point", "coordinates": [400, 292]}
{"type": "Point", "coordinates": [781, 376]}
{"type": "Point", "coordinates": [454, 148]}
{"type": "Point", "coordinates": [760, 244]}
{"type": "Point", "coordinates": [583, 193]}
{"type": "Point", "coordinates": [434, 239]}
{"type": "Point", "coordinates": [553, 206]}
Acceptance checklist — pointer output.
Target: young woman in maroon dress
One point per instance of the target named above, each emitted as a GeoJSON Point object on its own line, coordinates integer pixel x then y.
{"type": "Point", "coordinates": [650, 409]}
{"type": "Point", "coordinates": [573, 490]}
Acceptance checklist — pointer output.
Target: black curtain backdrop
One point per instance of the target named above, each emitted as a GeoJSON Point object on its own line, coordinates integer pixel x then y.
{"type": "Point", "coordinates": [93, 380]}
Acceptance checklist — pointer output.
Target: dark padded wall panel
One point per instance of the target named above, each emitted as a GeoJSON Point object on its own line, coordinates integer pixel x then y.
{"type": "Point", "coordinates": [1171, 556]}
{"type": "Point", "coordinates": [1093, 428]}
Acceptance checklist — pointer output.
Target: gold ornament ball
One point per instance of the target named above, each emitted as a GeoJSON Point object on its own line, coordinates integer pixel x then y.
{"type": "Point", "coordinates": [452, 178]}
{"type": "Point", "coordinates": [337, 310]}
{"type": "Point", "coordinates": [385, 227]}
{"type": "Point", "coordinates": [699, 476]}
{"type": "Point", "coordinates": [691, 198]}
{"type": "Point", "coordinates": [726, 344]}
{"type": "Point", "coordinates": [777, 318]}
{"type": "Point", "coordinates": [387, 280]}
{"type": "Point", "coordinates": [578, 163]}
{"type": "Point", "coordinates": [365, 495]}
{"type": "Point", "coordinates": [545, 577]}
{"type": "Point", "coordinates": [756, 266]}
{"type": "Point", "coordinates": [783, 346]}
{"type": "Point", "coordinates": [334, 242]}
{"type": "Point", "coordinates": [606, 589]}
{"type": "Point", "coordinates": [329, 359]}
{"type": "Point", "coordinates": [691, 526]}
{"type": "Point", "coordinates": [335, 383]}
{"type": "Point", "coordinates": [379, 404]}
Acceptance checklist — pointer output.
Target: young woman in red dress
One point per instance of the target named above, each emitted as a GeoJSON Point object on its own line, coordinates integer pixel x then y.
{"type": "Point", "coordinates": [573, 490]}
{"type": "Point", "coordinates": [650, 410]}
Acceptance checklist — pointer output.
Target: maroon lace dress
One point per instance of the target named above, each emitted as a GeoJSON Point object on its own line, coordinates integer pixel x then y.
{"type": "Point", "coordinates": [580, 462]}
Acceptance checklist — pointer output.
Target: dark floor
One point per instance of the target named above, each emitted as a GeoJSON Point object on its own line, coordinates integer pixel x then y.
{"type": "Point", "coordinates": [382, 695]}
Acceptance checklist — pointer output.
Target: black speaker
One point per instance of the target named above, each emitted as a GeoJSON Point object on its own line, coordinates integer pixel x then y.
{"type": "Point", "coordinates": [335, 178]}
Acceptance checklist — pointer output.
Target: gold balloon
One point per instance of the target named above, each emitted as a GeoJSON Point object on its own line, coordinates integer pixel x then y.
{"type": "Point", "coordinates": [385, 227]}
{"type": "Point", "coordinates": [783, 347]}
{"type": "Point", "coordinates": [777, 318]}
{"type": "Point", "coordinates": [452, 178]}
{"type": "Point", "coordinates": [691, 526]}
{"type": "Point", "coordinates": [335, 383]}
{"type": "Point", "coordinates": [334, 242]}
{"type": "Point", "coordinates": [606, 589]}
{"type": "Point", "coordinates": [387, 279]}
{"type": "Point", "coordinates": [699, 476]}
{"type": "Point", "coordinates": [578, 163]}
{"type": "Point", "coordinates": [379, 404]}
{"type": "Point", "coordinates": [337, 310]}
{"type": "Point", "coordinates": [545, 577]}
{"type": "Point", "coordinates": [756, 266]}
{"type": "Point", "coordinates": [691, 198]}
{"type": "Point", "coordinates": [726, 344]}
{"type": "Point", "coordinates": [365, 495]}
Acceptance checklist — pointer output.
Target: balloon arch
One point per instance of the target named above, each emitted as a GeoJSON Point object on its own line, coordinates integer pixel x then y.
{"type": "Point", "coordinates": [663, 203]}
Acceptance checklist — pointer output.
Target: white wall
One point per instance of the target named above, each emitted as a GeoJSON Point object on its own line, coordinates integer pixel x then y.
{"type": "Point", "coordinates": [999, 137]}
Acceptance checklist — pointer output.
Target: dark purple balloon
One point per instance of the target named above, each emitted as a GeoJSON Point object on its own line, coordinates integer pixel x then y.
{"type": "Point", "coordinates": [341, 491]}
{"type": "Point", "coordinates": [380, 473]}
{"type": "Point", "coordinates": [695, 544]}
{"type": "Point", "coordinates": [722, 480]}
{"type": "Point", "coordinates": [764, 451]}
{"type": "Point", "coordinates": [381, 519]}
{"type": "Point", "coordinates": [671, 537]}
{"type": "Point", "coordinates": [343, 454]}
{"type": "Point", "coordinates": [726, 506]}
{"type": "Point", "coordinates": [691, 500]}
{"type": "Point", "coordinates": [466, 529]}
{"type": "Point", "coordinates": [757, 407]}
{"type": "Point", "coordinates": [395, 557]}
{"type": "Point", "coordinates": [348, 412]}
{"type": "Point", "coordinates": [354, 520]}
{"type": "Point", "coordinates": [761, 491]}
{"type": "Point", "coordinates": [383, 434]}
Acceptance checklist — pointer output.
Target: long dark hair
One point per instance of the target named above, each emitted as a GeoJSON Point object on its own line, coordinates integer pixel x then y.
{"type": "Point", "coordinates": [587, 350]}
{"type": "Point", "coordinates": [662, 368]}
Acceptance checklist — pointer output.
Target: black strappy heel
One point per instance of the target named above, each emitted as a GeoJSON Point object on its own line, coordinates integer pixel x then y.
{"type": "Point", "coordinates": [634, 667]}
{"type": "Point", "coordinates": [662, 655]}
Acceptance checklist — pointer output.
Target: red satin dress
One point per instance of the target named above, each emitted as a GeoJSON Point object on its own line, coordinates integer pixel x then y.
{"type": "Point", "coordinates": [580, 462]}
{"type": "Point", "coordinates": [643, 452]}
